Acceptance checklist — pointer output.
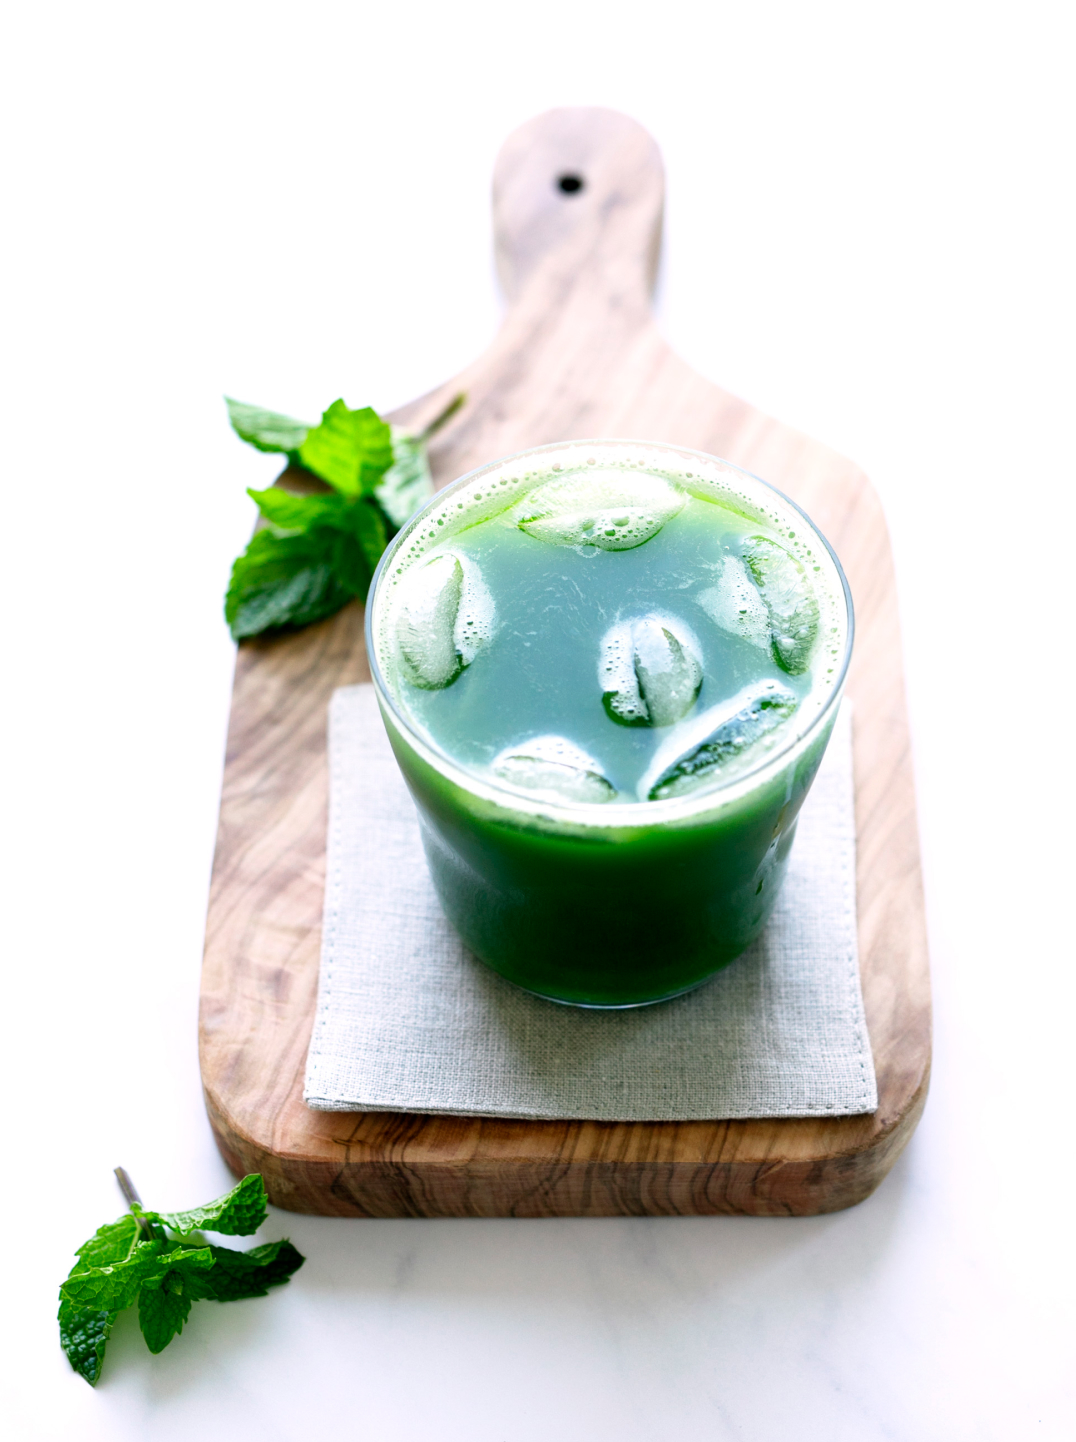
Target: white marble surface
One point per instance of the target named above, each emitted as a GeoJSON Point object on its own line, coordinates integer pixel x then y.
{"type": "Point", "coordinates": [870, 233]}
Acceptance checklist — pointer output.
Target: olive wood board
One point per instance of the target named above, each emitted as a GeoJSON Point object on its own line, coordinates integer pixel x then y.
{"type": "Point", "coordinates": [578, 356]}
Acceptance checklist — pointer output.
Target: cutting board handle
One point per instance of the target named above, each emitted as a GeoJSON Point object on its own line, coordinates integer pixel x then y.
{"type": "Point", "coordinates": [578, 195]}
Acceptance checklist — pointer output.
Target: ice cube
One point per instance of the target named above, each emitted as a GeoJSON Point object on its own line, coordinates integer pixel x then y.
{"type": "Point", "coordinates": [735, 604]}
{"type": "Point", "coordinates": [668, 669]}
{"type": "Point", "coordinates": [613, 510]}
{"type": "Point", "coordinates": [649, 675]}
{"type": "Point", "coordinates": [476, 613]}
{"type": "Point", "coordinates": [444, 615]}
{"type": "Point", "coordinates": [428, 609]}
{"type": "Point", "coordinates": [790, 601]}
{"type": "Point", "coordinates": [554, 767]}
{"type": "Point", "coordinates": [697, 754]}
{"type": "Point", "coordinates": [619, 684]}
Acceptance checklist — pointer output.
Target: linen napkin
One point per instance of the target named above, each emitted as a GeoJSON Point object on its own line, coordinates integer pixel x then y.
{"type": "Point", "coordinates": [408, 1020]}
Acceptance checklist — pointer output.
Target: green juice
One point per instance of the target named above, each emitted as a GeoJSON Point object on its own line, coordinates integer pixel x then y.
{"type": "Point", "coordinates": [608, 672]}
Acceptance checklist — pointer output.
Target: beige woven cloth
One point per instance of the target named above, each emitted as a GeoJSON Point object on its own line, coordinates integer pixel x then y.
{"type": "Point", "coordinates": [408, 1020]}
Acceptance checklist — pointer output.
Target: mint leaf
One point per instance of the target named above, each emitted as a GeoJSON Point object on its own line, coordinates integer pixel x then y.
{"type": "Point", "coordinates": [164, 1303]}
{"type": "Point", "coordinates": [365, 526]}
{"type": "Point", "coordinates": [267, 430]}
{"type": "Point", "coordinates": [83, 1335]}
{"type": "Point", "coordinates": [283, 581]}
{"type": "Point", "coordinates": [356, 552]}
{"type": "Point", "coordinates": [238, 1213]}
{"type": "Point", "coordinates": [111, 1243]}
{"type": "Point", "coordinates": [163, 1306]}
{"type": "Point", "coordinates": [407, 485]}
{"type": "Point", "coordinates": [237, 1275]}
{"type": "Point", "coordinates": [84, 1331]}
{"type": "Point", "coordinates": [299, 513]}
{"type": "Point", "coordinates": [351, 450]}
{"type": "Point", "coordinates": [292, 580]}
{"type": "Point", "coordinates": [112, 1288]}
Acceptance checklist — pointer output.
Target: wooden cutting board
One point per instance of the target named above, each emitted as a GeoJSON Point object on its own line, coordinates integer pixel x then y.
{"type": "Point", "coordinates": [578, 356]}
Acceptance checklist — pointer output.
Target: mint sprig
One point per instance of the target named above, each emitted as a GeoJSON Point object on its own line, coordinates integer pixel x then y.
{"type": "Point", "coordinates": [134, 1260]}
{"type": "Point", "coordinates": [317, 552]}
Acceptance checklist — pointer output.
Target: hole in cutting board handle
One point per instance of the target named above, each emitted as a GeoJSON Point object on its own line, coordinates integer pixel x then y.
{"type": "Point", "coordinates": [571, 184]}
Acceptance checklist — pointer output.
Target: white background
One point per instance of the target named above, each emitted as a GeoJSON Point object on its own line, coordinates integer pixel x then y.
{"type": "Point", "coordinates": [870, 234]}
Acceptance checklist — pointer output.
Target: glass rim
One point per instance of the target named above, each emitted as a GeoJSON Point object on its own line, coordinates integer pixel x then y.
{"type": "Point", "coordinates": [604, 816]}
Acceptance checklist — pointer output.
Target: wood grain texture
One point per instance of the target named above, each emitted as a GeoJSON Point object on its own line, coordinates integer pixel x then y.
{"type": "Point", "coordinates": [578, 356]}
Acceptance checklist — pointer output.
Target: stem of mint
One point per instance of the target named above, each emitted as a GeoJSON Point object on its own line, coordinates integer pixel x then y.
{"type": "Point", "coordinates": [444, 417]}
{"type": "Point", "coordinates": [130, 1194]}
